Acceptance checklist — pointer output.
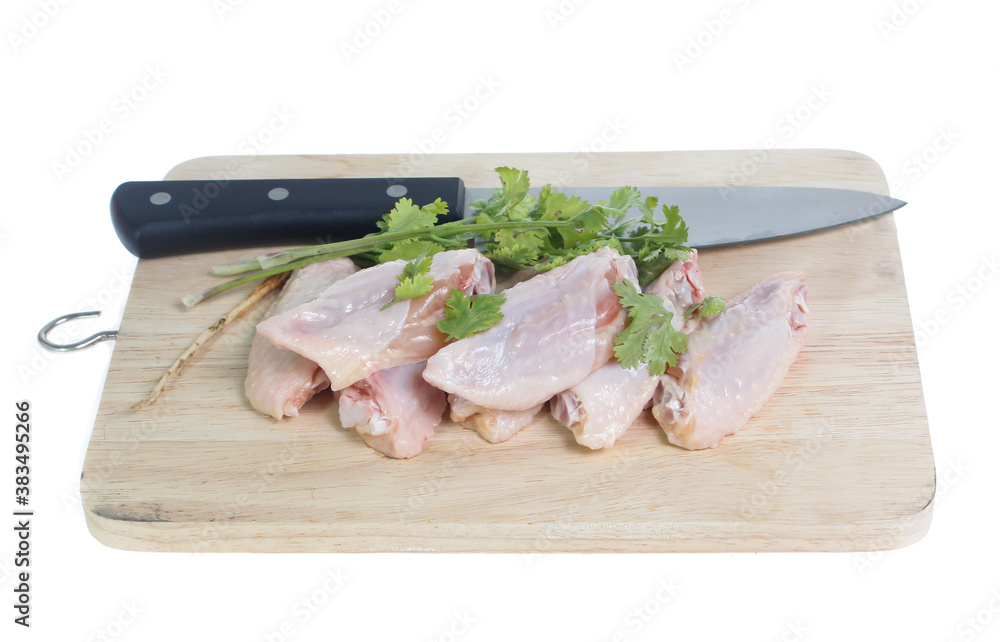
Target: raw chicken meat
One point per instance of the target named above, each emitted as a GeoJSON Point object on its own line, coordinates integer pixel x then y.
{"type": "Point", "coordinates": [494, 426]}
{"type": "Point", "coordinates": [395, 410]}
{"type": "Point", "coordinates": [600, 408]}
{"type": "Point", "coordinates": [347, 333]}
{"type": "Point", "coordinates": [734, 363]}
{"type": "Point", "coordinates": [279, 381]}
{"type": "Point", "coordinates": [681, 287]}
{"type": "Point", "coordinates": [557, 328]}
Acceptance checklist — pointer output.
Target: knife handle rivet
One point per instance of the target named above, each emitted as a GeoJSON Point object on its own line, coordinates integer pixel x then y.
{"type": "Point", "coordinates": [278, 194]}
{"type": "Point", "coordinates": [396, 191]}
{"type": "Point", "coordinates": [159, 198]}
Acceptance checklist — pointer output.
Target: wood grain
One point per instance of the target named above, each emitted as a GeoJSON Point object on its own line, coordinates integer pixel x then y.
{"type": "Point", "coordinates": [839, 460]}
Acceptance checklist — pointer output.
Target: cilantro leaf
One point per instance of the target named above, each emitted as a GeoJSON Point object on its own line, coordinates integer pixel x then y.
{"type": "Point", "coordinates": [623, 199]}
{"type": "Point", "coordinates": [663, 347]}
{"type": "Point", "coordinates": [711, 306]}
{"type": "Point", "coordinates": [511, 201]}
{"type": "Point", "coordinates": [651, 260]}
{"type": "Point", "coordinates": [635, 302]}
{"type": "Point", "coordinates": [437, 208]}
{"type": "Point", "coordinates": [466, 315]}
{"type": "Point", "coordinates": [649, 337]}
{"type": "Point", "coordinates": [414, 286]}
{"type": "Point", "coordinates": [527, 238]}
{"type": "Point", "coordinates": [672, 230]}
{"type": "Point", "coordinates": [557, 206]}
{"type": "Point", "coordinates": [629, 349]}
{"type": "Point", "coordinates": [586, 222]}
{"type": "Point", "coordinates": [515, 183]}
{"type": "Point", "coordinates": [658, 242]}
{"type": "Point", "coordinates": [516, 257]}
{"type": "Point", "coordinates": [648, 207]}
{"type": "Point", "coordinates": [565, 256]}
{"type": "Point", "coordinates": [414, 281]}
{"type": "Point", "coordinates": [407, 217]}
{"type": "Point", "coordinates": [591, 220]}
{"type": "Point", "coordinates": [653, 241]}
{"type": "Point", "coordinates": [409, 250]}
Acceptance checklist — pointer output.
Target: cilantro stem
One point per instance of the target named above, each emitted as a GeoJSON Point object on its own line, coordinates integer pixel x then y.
{"type": "Point", "coordinates": [192, 300]}
{"type": "Point", "coordinates": [239, 267]}
{"type": "Point", "coordinates": [447, 230]}
{"type": "Point", "coordinates": [278, 262]}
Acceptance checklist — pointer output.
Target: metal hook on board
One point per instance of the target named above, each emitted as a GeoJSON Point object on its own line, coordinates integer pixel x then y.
{"type": "Point", "coordinates": [79, 345]}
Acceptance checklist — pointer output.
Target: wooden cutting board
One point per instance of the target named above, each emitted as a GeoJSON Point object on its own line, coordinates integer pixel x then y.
{"type": "Point", "coordinates": [839, 460]}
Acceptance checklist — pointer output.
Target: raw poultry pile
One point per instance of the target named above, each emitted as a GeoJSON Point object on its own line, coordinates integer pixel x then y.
{"type": "Point", "coordinates": [426, 330]}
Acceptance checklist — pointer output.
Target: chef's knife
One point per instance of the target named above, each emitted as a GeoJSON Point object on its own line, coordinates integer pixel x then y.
{"type": "Point", "coordinates": [166, 218]}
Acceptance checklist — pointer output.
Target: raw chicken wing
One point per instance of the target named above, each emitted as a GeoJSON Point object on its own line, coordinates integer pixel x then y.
{"type": "Point", "coordinates": [600, 408]}
{"type": "Point", "coordinates": [279, 381]}
{"type": "Point", "coordinates": [734, 363]}
{"type": "Point", "coordinates": [351, 337]}
{"type": "Point", "coordinates": [557, 328]}
{"type": "Point", "coordinates": [394, 410]}
{"type": "Point", "coordinates": [494, 426]}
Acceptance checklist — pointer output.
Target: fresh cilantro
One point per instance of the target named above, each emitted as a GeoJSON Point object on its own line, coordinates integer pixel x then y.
{"type": "Point", "coordinates": [414, 281]}
{"type": "Point", "coordinates": [620, 202]}
{"type": "Point", "coordinates": [515, 183]}
{"type": "Point", "coordinates": [511, 201]}
{"type": "Point", "coordinates": [517, 249]}
{"type": "Point", "coordinates": [670, 231]}
{"type": "Point", "coordinates": [406, 216]}
{"type": "Point", "coordinates": [564, 257]}
{"type": "Point", "coordinates": [409, 250]}
{"type": "Point", "coordinates": [653, 240]}
{"type": "Point", "coordinates": [648, 208]}
{"type": "Point", "coordinates": [657, 242]}
{"type": "Point", "coordinates": [711, 306]}
{"type": "Point", "coordinates": [514, 256]}
{"type": "Point", "coordinates": [651, 260]}
{"type": "Point", "coordinates": [663, 347]}
{"type": "Point", "coordinates": [649, 337]}
{"type": "Point", "coordinates": [466, 315]}
{"type": "Point", "coordinates": [517, 231]}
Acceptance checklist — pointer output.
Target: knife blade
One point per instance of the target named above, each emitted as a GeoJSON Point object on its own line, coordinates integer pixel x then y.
{"type": "Point", "coordinates": [727, 215]}
{"type": "Point", "coordinates": [167, 218]}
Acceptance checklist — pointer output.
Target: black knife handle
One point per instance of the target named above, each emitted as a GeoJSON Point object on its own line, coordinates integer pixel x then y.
{"type": "Point", "coordinates": [165, 218]}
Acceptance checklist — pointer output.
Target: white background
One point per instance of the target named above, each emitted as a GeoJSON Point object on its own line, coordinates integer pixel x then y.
{"type": "Point", "coordinates": [902, 80]}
